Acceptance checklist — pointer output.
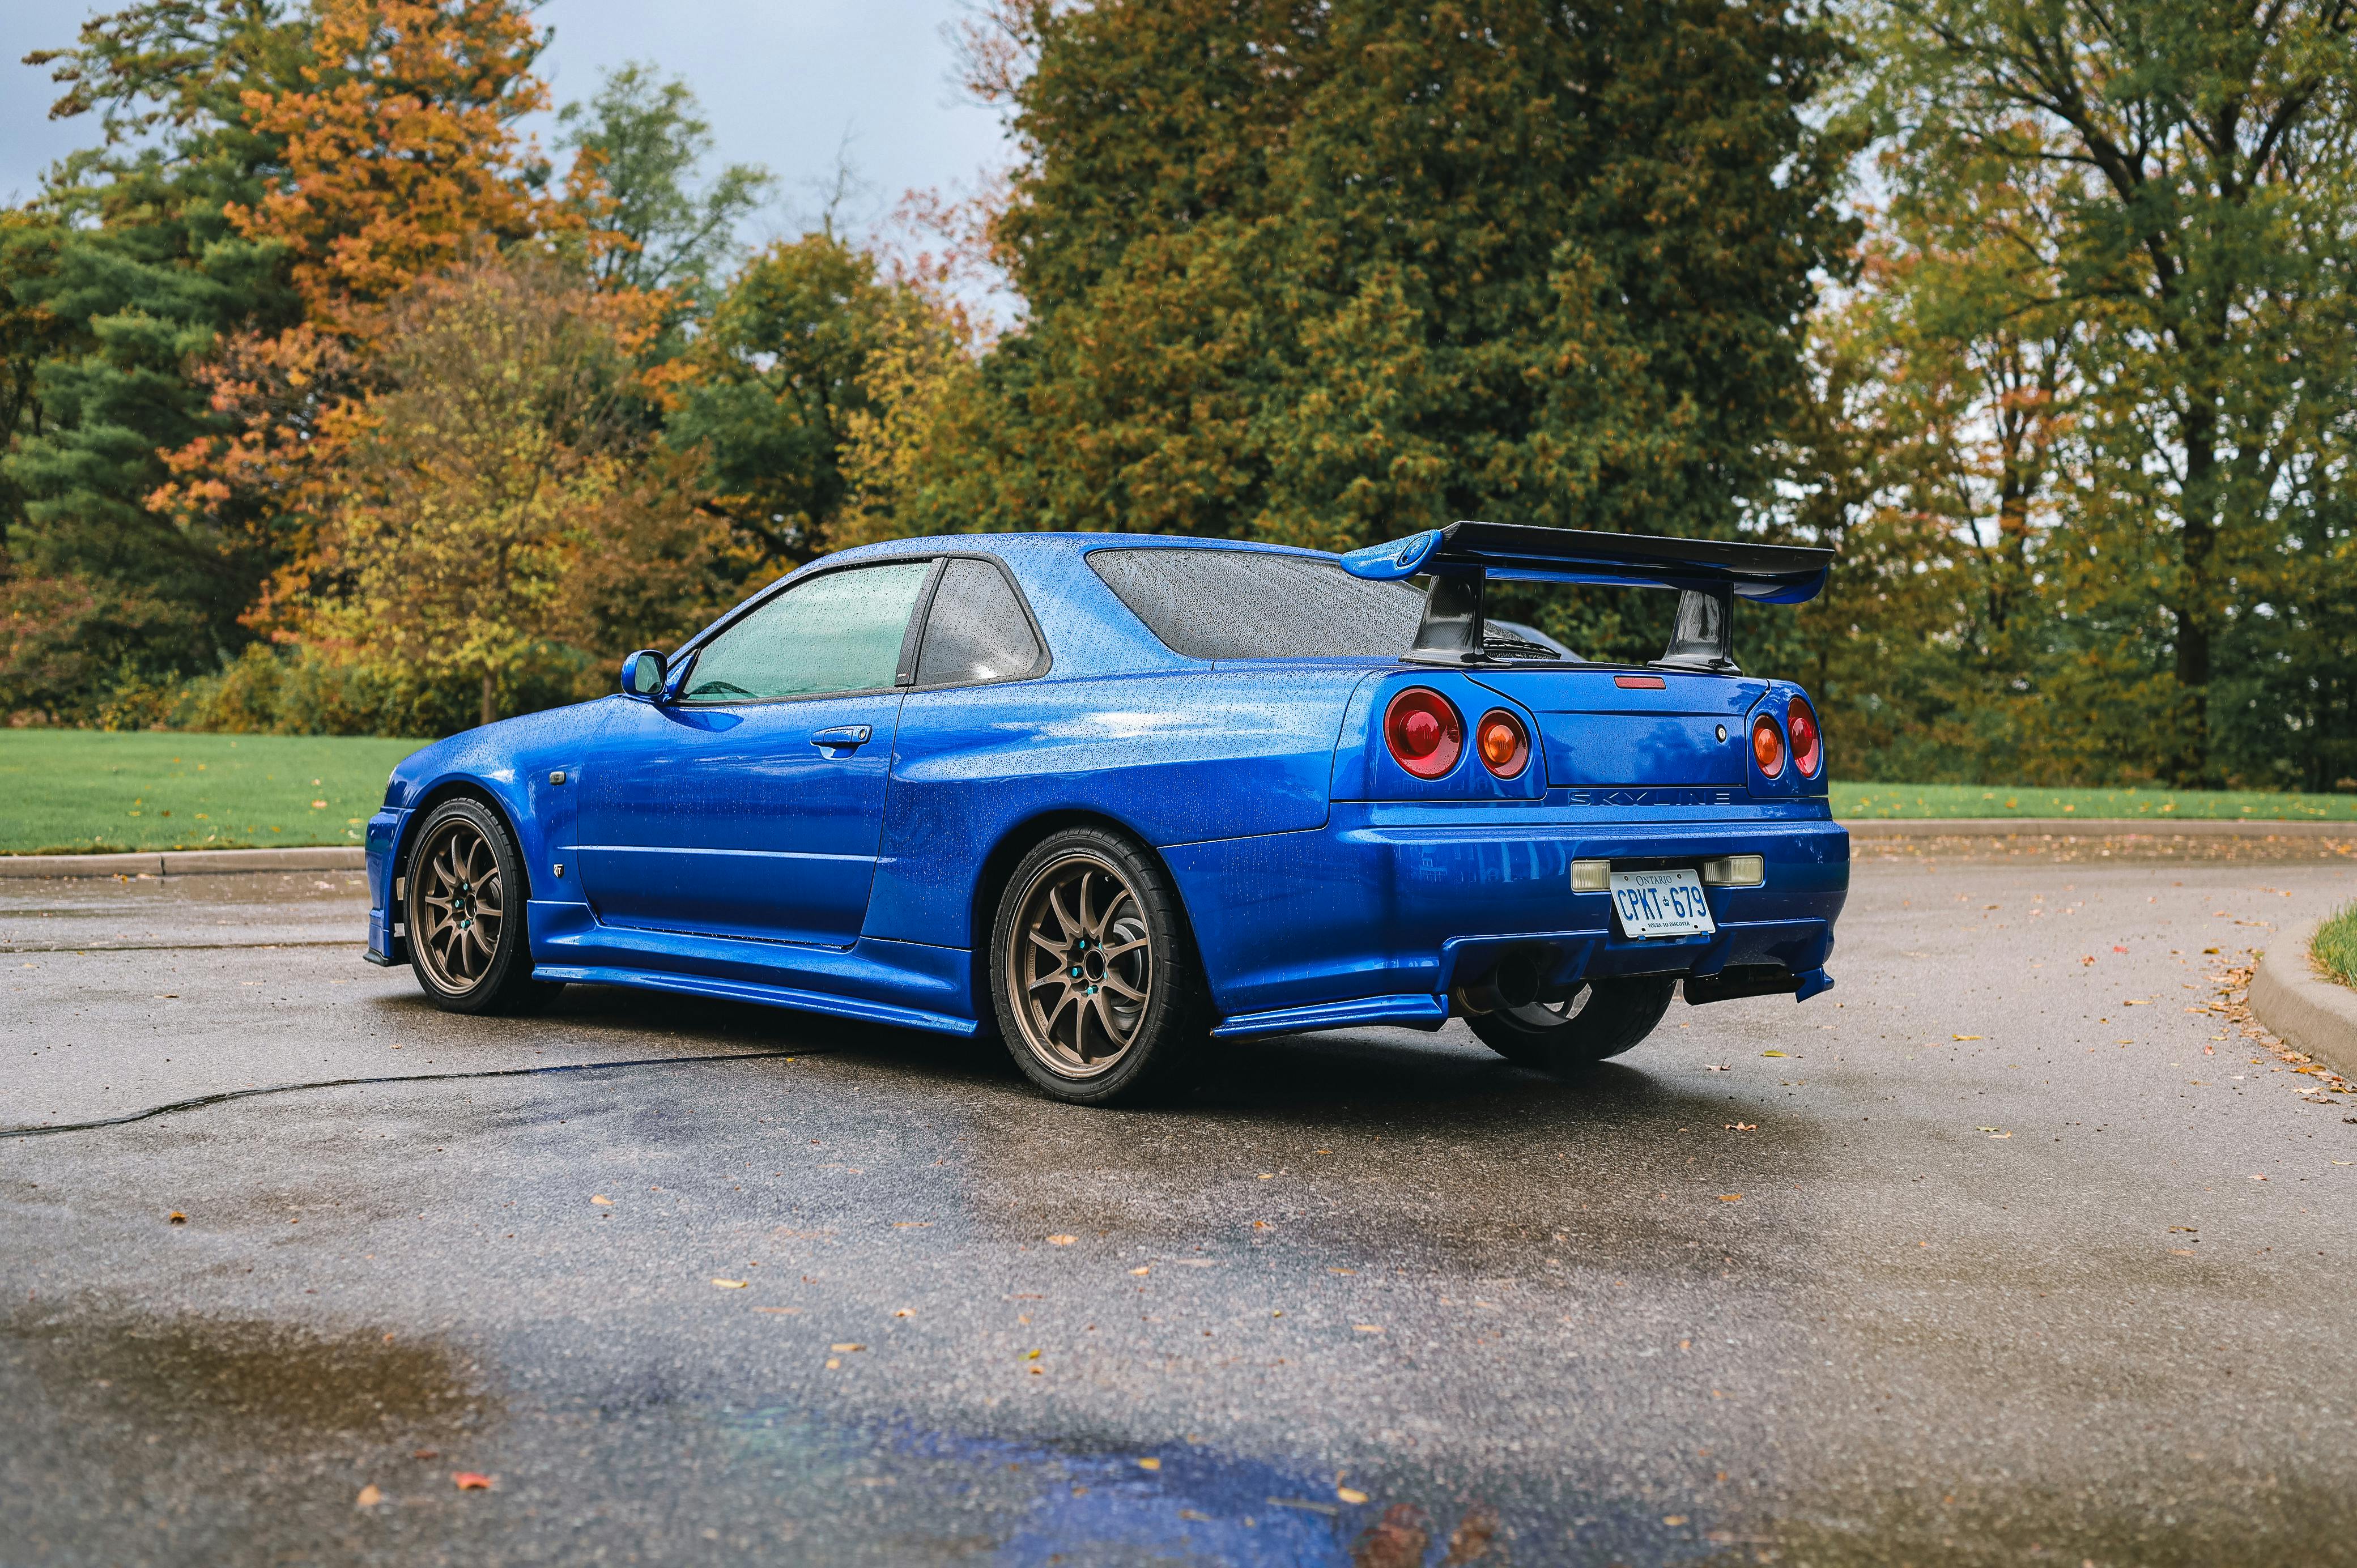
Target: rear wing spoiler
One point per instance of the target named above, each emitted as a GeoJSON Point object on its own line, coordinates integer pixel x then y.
{"type": "Point", "coordinates": [1709, 574]}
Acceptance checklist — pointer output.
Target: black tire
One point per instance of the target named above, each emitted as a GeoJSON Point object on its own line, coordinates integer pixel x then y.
{"type": "Point", "coordinates": [1093, 977]}
{"type": "Point", "coordinates": [463, 904]}
{"type": "Point", "coordinates": [1600, 1020]}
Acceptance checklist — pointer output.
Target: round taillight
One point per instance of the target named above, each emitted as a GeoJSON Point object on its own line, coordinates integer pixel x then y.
{"type": "Point", "coordinates": [1808, 752]}
{"type": "Point", "coordinates": [1767, 745]}
{"type": "Point", "coordinates": [1423, 732]}
{"type": "Point", "coordinates": [1504, 744]}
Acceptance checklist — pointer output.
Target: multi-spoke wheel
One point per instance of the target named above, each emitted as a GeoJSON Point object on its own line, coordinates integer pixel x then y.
{"type": "Point", "coordinates": [465, 914]}
{"type": "Point", "coordinates": [1095, 985]}
{"type": "Point", "coordinates": [1600, 1019]}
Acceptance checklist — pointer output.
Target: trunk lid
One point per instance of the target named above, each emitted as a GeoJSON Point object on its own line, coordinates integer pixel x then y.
{"type": "Point", "coordinates": [1615, 726]}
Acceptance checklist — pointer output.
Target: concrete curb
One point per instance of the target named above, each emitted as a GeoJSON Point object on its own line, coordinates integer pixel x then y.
{"type": "Point", "coordinates": [2304, 1011]}
{"type": "Point", "coordinates": [2089, 828]}
{"type": "Point", "coordinates": [186, 862]}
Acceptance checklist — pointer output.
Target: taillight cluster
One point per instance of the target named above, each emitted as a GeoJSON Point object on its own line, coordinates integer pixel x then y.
{"type": "Point", "coordinates": [1427, 737]}
{"type": "Point", "coordinates": [1807, 749]}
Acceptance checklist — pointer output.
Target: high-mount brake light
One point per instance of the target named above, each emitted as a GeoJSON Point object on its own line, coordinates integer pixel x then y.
{"type": "Point", "coordinates": [1504, 744]}
{"type": "Point", "coordinates": [1808, 749]}
{"type": "Point", "coordinates": [1424, 733]}
{"type": "Point", "coordinates": [1767, 745]}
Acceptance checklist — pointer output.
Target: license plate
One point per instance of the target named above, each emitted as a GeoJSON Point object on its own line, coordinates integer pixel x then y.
{"type": "Point", "coordinates": [1661, 904]}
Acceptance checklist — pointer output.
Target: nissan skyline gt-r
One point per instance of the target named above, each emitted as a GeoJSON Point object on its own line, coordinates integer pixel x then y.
{"type": "Point", "coordinates": [1108, 796]}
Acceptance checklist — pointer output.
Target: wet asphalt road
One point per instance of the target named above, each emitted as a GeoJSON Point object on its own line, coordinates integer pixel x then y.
{"type": "Point", "coordinates": [1980, 1269]}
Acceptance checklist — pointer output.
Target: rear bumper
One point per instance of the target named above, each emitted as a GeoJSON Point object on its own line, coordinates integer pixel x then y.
{"type": "Point", "coordinates": [1357, 921]}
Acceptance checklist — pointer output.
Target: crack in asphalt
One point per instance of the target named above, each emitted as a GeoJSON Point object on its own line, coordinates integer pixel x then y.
{"type": "Point", "coordinates": [193, 947]}
{"type": "Point", "coordinates": [227, 1095]}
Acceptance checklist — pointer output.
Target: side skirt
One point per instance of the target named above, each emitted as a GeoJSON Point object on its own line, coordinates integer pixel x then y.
{"type": "Point", "coordinates": [769, 995]}
{"type": "Point", "coordinates": [1404, 1011]}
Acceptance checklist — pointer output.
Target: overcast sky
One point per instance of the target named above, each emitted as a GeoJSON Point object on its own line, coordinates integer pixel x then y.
{"type": "Point", "coordinates": [783, 81]}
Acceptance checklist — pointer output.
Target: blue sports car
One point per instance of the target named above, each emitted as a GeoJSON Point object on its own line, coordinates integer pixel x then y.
{"type": "Point", "coordinates": [1108, 796]}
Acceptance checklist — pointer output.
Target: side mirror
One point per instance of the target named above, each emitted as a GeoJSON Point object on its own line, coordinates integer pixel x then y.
{"type": "Point", "coordinates": [643, 673]}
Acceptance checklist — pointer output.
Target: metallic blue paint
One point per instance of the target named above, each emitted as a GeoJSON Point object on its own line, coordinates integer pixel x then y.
{"type": "Point", "coordinates": [721, 851]}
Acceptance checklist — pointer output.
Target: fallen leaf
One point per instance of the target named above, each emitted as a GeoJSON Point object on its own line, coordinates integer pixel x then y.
{"type": "Point", "coordinates": [1963, 1036]}
{"type": "Point", "coordinates": [910, 1224]}
{"type": "Point", "coordinates": [2116, 948]}
{"type": "Point", "coordinates": [423, 1453]}
{"type": "Point", "coordinates": [601, 1199]}
{"type": "Point", "coordinates": [1740, 1126]}
{"type": "Point", "coordinates": [1713, 1067]}
{"type": "Point", "coordinates": [832, 1363]}
{"type": "Point", "coordinates": [1673, 1519]}
{"type": "Point", "coordinates": [1142, 1271]}
{"type": "Point", "coordinates": [1772, 1053]}
{"type": "Point", "coordinates": [2185, 1251]}
{"type": "Point", "coordinates": [2000, 1134]}
{"type": "Point", "coordinates": [2258, 1178]}
{"type": "Point", "coordinates": [1368, 1328]}
{"type": "Point", "coordinates": [469, 1481]}
{"type": "Point", "coordinates": [846, 1348]}
{"type": "Point", "coordinates": [1350, 1494]}
{"type": "Point", "coordinates": [176, 1217]}
{"type": "Point", "coordinates": [1149, 1464]}
{"type": "Point", "coordinates": [904, 1311]}
{"type": "Point", "coordinates": [1030, 1355]}
{"type": "Point", "coordinates": [1061, 1241]}
{"type": "Point", "coordinates": [1730, 1197]}
{"type": "Point", "coordinates": [1263, 1225]}
{"type": "Point", "coordinates": [370, 1497]}
{"type": "Point", "coordinates": [731, 1284]}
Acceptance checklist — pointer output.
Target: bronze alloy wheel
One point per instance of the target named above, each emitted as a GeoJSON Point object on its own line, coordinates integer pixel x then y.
{"type": "Point", "coordinates": [458, 905]}
{"type": "Point", "coordinates": [1081, 966]}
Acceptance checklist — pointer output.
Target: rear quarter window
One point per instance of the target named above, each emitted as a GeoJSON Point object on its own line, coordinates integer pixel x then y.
{"type": "Point", "coordinates": [1251, 604]}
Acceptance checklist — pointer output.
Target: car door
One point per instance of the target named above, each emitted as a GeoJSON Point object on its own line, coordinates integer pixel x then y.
{"type": "Point", "coordinates": [749, 800]}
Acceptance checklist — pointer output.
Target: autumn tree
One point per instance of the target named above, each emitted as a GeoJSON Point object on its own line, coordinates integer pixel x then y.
{"type": "Point", "coordinates": [496, 498]}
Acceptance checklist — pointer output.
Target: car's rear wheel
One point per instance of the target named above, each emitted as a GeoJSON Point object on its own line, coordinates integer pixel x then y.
{"type": "Point", "coordinates": [1094, 977]}
{"type": "Point", "coordinates": [1600, 1019]}
{"type": "Point", "coordinates": [464, 906]}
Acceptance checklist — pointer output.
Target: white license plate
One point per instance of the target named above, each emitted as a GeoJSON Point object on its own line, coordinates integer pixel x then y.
{"type": "Point", "coordinates": [1661, 904]}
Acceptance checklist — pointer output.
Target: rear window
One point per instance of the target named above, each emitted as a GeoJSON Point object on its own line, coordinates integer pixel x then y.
{"type": "Point", "coordinates": [1252, 604]}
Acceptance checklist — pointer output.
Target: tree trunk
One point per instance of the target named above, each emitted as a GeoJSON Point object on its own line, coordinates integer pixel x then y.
{"type": "Point", "coordinates": [2193, 605]}
{"type": "Point", "coordinates": [491, 710]}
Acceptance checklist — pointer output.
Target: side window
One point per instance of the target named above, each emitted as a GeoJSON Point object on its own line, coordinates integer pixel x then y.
{"type": "Point", "coordinates": [841, 632]}
{"type": "Point", "coordinates": [977, 630]}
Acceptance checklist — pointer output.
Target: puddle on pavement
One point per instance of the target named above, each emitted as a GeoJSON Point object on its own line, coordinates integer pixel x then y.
{"type": "Point", "coordinates": [250, 1383]}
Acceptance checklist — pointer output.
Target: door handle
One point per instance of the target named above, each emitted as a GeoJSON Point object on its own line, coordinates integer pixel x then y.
{"type": "Point", "coordinates": [843, 737]}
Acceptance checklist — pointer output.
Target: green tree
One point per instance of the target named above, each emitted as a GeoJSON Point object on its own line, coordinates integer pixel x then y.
{"type": "Point", "coordinates": [641, 142]}
{"type": "Point", "coordinates": [2198, 580]}
{"type": "Point", "coordinates": [767, 394]}
{"type": "Point", "coordinates": [1331, 274]}
{"type": "Point", "coordinates": [125, 268]}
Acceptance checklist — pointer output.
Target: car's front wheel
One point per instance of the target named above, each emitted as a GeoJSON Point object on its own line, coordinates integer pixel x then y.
{"type": "Point", "coordinates": [463, 906]}
{"type": "Point", "coordinates": [1601, 1019]}
{"type": "Point", "coordinates": [1093, 977]}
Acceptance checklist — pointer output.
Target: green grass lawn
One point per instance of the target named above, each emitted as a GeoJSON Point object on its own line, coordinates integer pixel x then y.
{"type": "Point", "coordinates": [88, 791]}
{"type": "Point", "coordinates": [83, 790]}
{"type": "Point", "coordinates": [2336, 946]}
{"type": "Point", "coordinates": [1855, 800]}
